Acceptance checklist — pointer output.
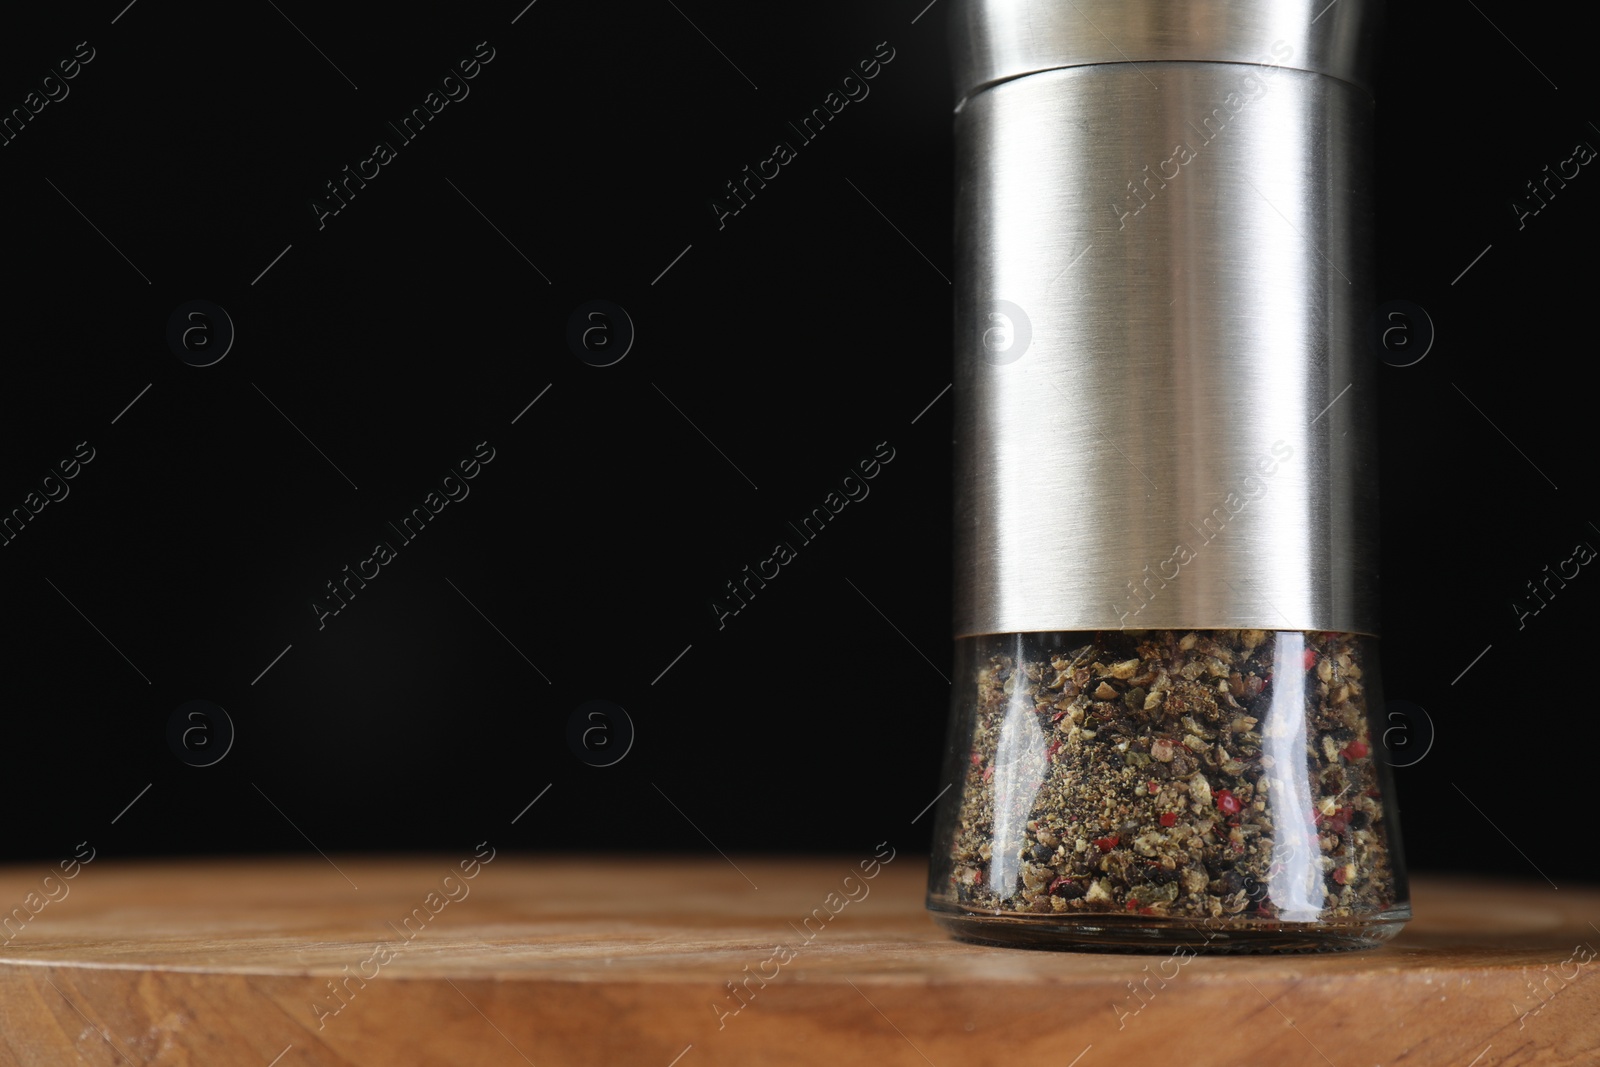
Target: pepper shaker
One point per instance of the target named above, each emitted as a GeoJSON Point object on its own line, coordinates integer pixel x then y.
{"type": "Point", "coordinates": [1167, 716]}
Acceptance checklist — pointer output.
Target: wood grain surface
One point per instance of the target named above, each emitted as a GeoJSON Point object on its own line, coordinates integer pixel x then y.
{"type": "Point", "coordinates": [556, 961]}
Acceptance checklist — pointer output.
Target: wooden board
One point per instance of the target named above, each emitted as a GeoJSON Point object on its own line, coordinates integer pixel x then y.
{"type": "Point", "coordinates": [560, 961]}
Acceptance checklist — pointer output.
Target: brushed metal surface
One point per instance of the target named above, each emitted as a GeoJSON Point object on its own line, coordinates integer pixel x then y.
{"type": "Point", "coordinates": [993, 40]}
{"type": "Point", "coordinates": [1164, 402]}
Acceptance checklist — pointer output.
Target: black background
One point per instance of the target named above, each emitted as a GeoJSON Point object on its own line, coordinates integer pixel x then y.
{"type": "Point", "coordinates": [809, 328]}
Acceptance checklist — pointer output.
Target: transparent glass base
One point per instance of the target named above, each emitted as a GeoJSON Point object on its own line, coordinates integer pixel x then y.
{"type": "Point", "coordinates": [1129, 790]}
{"type": "Point", "coordinates": [1117, 933]}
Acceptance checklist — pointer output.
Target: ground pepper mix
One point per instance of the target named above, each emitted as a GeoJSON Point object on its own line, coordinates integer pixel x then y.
{"type": "Point", "coordinates": [1212, 774]}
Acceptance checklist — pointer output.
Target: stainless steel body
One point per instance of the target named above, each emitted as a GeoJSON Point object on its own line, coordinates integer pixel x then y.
{"type": "Point", "coordinates": [1164, 251]}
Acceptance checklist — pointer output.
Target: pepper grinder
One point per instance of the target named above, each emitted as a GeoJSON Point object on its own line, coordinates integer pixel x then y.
{"type": "Point", "coordinates": [1167, 717]}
